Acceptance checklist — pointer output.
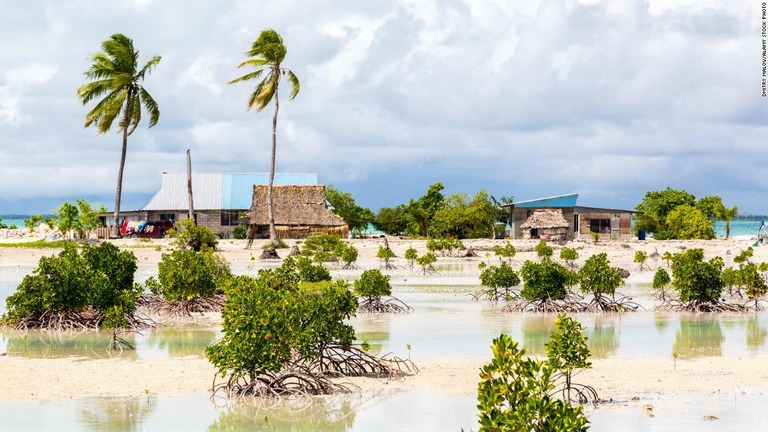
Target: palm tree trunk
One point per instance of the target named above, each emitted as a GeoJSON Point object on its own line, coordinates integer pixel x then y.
{"type": "Point", "coordinates": [119, 192]}
{"type": "Point", "coordinates": [270, 207]}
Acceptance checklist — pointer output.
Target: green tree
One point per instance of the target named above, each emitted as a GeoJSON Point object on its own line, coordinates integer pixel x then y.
{"type": "Point", "coordinates": [567, 350]}
{"type": "Point", "coordinates": [345, 207]}
{"type": "Point", "coordinates": [185, 275]}
{"type": "Point", "coordinates": [88, 218]}
{"type": "Point", "coordinates": [322, 247]}
{"type": "Point", "coordinates": [514, 394]}
{"type": "Point", "coordinates": [267, 54]}
{"type": "Point", "coordinates": [753, 282]}
{"type": "Point", "coordinates": [463, 218]}
{"type": "Point", "coordinates": [710, 206]}
{"type": "Point", "coordinates": [66, 216]}
{"type": "Point", "coordinates": [195, 237]}
{"type": "Point", "coordinates": [544, 281]}
{"type": "Point", "coordinates": [507, 251]}
{"type": "Point", "coordinates": [697, 280]}
{"type": "Point", "coordinates": [410, 255]}
{"type": "Point", "coordinates": [569, 255]}
{"type": "Point", "coordinates": [640, 258]}
{"type": "Point", "coordinates": [373, 283]}
{"type": "Point", "coordinates": [392, 220]}
{"type": "Point", "coordinates": [656, 205]}
{"type": "Point", "coordinates": [385, 254]}
{"type": "Point", "coordinates": [686, 222]}
{"type": "Point", "coordinates": [661, 280]}
{"type": "Point", "coordinates": [598, 277]}
{"type": "Point", "coordinates": [426, 261]}
{"type": "Point", "coordinates": [116, 76]}
{"type": "Point", "coordinates": [543, 250]}
{"type": "Point", "coordinates": [498, 278]}
{"type": "Point", "coordinates": [727, 215]}
{"type": "Point", "coordinates": [421, 212]}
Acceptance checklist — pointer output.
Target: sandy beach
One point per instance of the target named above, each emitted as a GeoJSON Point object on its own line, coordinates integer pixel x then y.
{"type": "Point", "coordinates": [614, 378]}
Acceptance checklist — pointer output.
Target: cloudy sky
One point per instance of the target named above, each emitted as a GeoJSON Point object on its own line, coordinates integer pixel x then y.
{"type": "Point", "coordinates": [607, 98]}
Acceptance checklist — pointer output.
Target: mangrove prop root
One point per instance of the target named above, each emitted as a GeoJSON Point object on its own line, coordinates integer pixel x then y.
{"type": "Point", "coordinates": [338, 360]}
{"type": "Point", "coordinates": [495, 294]}
{"type": "Point", "coordinates": [159, 306]}
{"type": "Point", "coordinates": [674, 305]}
{"type": "Point", "coordinates": [76, 321]}
{"type": "Point", "coordinates": [292, 381]}
{"type": "Point", "coordinates": [383, 305]}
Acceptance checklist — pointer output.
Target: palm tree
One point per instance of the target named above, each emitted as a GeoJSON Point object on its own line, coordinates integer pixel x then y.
{"type": "Point", "coordinates": [115, 75]}
{"type": "Point", "coordinates": [727, 214]}
{"type": "Point", "coordinates": [266, 55]}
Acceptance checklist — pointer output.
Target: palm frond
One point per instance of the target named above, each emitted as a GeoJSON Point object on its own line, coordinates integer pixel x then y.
{"type": "Point", "coordinates": [255, 63]}
{"type": "Point", "coordinates": [248, 77]}
{"type": "Point", "coordinates": [106, 111]}
{"type": "Point", "coordinates": [150, 104]}
{"type": "Point", "coordinates": [147, 69]}
{"type": "Point", "coordinates": [135, 117]}
{"type": "Point", "coordinates": [293, 80]}
{"type": "Point", "coordinates": [94, 89]}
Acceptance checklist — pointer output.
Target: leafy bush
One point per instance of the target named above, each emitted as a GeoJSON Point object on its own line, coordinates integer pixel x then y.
{"type": "Point", "coordinates": [322, 247]}
{"type": "Point", "coordinates": [499, 277]}
{"type": "Point", "coordinates": [514, 394]}
{"type": "Point", "coordinates": [752, 281]}
{"type": "Point", "coordinates": [544, 281]}
{"type": "Point", "coordinates": [543, 250]}
{"type": "Point", "coordinates": [240, 232]}
{"type": "Point", "coordinates": [697, 280]}
{"type": "Point", "coordinates": [426, 261]}
{"type": "Point", "coordinates": [373, 283]}
{"type": "Point", "coordinates": [569, 255]}
{"type": "Point", "coordinates": [598, 277]}
{"type": "Point", "coordinates": [99, 278]}
{"type": "Point", "coordinates": [411, 255]}
{"type": "Point", "coordinates": [195, 237]}
{"type": "Point", "coordinates": [263, 326]}
{"type": "Point", "coordinates": [445, 246]}
{"type": "Point", "coordinates": [507, 251]}
{"type": "Point", "coordinates": [661, 280]}
{"type": "Point", "coordinates": [347, 254]}
{"type": "Point", "coordinates": [271, 245]}
{"type": "Point", "coordinates": [309, 272]}
{"type": "Point", "coordinates": [567, 350]}
{"type": "Point", "coordinates": [186, 274]}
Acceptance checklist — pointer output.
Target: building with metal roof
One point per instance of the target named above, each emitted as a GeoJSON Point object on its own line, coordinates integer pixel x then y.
{"type": "Point", "coordinates": [606, 223]}
{"type": "Point", "coordinates": [220, 199]}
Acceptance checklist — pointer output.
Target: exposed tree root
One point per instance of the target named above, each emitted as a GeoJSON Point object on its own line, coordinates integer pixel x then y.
{"type": "Point", "coordinates": [76, 321]}
{"type": "Point", "coordinates": [158, 305]}
{"type": "Point", "coordinates": [611, 304]}
{"type": "Point", "coordinates": [495, 294]}
{"type": "Point", "coordinates": [674, 305]}
{"type": "Point", "coordinates": [757, 305]}
{"type": "Point", "coordinates": [523, 305]}
{"type": "Point", "coordinates": [338, 360]}
{"type": "Point", "coordinates": [427, 270]}
{"type": "Point", "coordinates": [577, 393]}
{"type": "Point", "coordinates": [350, 266]}
{"type": "Point", "coordinates": [382, 305]}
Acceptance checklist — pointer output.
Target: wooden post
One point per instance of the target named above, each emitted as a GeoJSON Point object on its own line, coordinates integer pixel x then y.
{"type": "Point", "coordinates": [189, 187]}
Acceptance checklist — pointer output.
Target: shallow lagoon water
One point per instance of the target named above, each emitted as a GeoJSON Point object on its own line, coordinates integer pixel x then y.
{"type": "Point", "coordinates": [446, 323]}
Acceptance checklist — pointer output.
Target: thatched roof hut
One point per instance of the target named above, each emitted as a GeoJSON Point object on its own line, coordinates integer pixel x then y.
{"type": "Point", "coordinates": [546, 224]}
{"type": "Point", "coordinates": [300, 211]}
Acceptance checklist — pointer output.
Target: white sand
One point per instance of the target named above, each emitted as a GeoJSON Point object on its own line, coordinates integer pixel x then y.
{"type": "Point", "coordinates": [32, 378]}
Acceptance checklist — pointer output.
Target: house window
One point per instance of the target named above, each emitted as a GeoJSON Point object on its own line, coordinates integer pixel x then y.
{"type": "Point", "coordinates": [602, 226]}
{"type": "Point", "coordinates": [229, 218]}
{"type": "Point", "coordinates": [168, 216]}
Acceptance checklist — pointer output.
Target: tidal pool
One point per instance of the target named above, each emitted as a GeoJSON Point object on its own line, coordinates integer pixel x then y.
{"type": "Point", "coordinates": [446, 322]}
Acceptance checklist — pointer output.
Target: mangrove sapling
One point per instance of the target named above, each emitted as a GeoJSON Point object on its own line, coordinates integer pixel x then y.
{"type": "Point", "coordinates": [386, 254]}
{"type": "Point", "coordinates": [188, 282]}
{"type": "Point", "coordinates": [568, 353]}
{"type": "Point", "coordinates": [280, 339]}
{"type": "Point", "coordinates": [410, 255]}
{"type": "Point", "coordinates": [640, 258]}
{"type": "Point", "coordinates": [661, 280]}
{"type": "Point", "coordinates": [744, 256]}
{"type": "Point", "coordinates": [507, 252]}
{"type": "Point", "coordinates": [348, 256]}
{"type": "Point", "coordinates": [543, 250]}
{"type": "Point", "coordinates": [699, 283]}
{"type": "Point", "coordinates": [667, 256]}
{"type": "Point", "coordinates": [545, 289]}
{"type": "Point", "coordinates": [322, 247]}
{"type": "Point", "coordinates": [426, 261]}
{"type": "Point", "coordinates": [195, 237]}
{"type": "Point", "coordinates": [376, 294]}
{"type": "Point", "coordinates": [569, 256]}
{"type": "Point", "coordinates": [78, 291]}
{"type": "Point", "coordinates": [499, 280]}
{"type": "Point", "coordinates": [732, 281]}
{"type": "Point", "coordinates": [308, 272]}
{"type": "Point", "coordinates": [598, 278]}
{"type": "Point", "coordinates": [754, 285]}
{"type": "Point", "coordinates": [515, 394]}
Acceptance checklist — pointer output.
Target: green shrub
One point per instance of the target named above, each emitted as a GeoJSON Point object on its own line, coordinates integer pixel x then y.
{"type": "Point", "coordinates": [567, 349]}
{"type": "Point", "coordinates": [569, 255]}
{"type": "Point", "coordinates": [373, 283]}
{"type": "Point", "coordinates": [543, 250]}
{"type": "Point", "coordinates": [322, 247]}
{"type": "Point", "coordinates": [445, 245]}
{"type": "Point", "coordinates": [497, 278]}
{"type": "Point", "coordinates": [507, 251]}
{"type": "Point", "coordinates": [195, 237]}
{"type": "Point", "coordinates": [281, 244]}
{"type": "Point", "coordinates": [545, 280]}
{"type": "Point", "coordinates": [347, 254]}
{"type": "Point", "coordinates": [697, 280]}
{"type": "Point", "coordinates": [661, 280]}
{"type": "Point", "coordinates": [99, 278]}
{"type": "Point", "coordinates": [240, 232]}
{"type": "Point", "coordinates": [411, 255]}
{"type": "Point", "coordinates": [186, 274]}
{"type": "Point", "coordinates": [598, 277]}
{"type": "Point", "coordinates": [426, 261]}
{"type": "Point", "coordinates": [514, 394]}
{"type": "Point", "coordinates": [309, 272]}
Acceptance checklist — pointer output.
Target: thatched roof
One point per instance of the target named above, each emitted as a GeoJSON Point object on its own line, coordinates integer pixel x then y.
{"type": "Point", "coordinates": [546, 218]}
{"type": "Point", "coordinates": [293, 205]}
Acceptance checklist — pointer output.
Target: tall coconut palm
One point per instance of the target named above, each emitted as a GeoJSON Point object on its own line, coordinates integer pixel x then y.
{"type": "Point", "coordinates": [266, 55]}
{"type": "Point", "coordinates": [115, 74]}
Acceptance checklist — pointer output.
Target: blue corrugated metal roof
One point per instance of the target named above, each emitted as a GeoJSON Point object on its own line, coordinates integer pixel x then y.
{"type": "Point", "coordinates": [550, 202]}
{"type": "Point", "coordinates": [214, 191]}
